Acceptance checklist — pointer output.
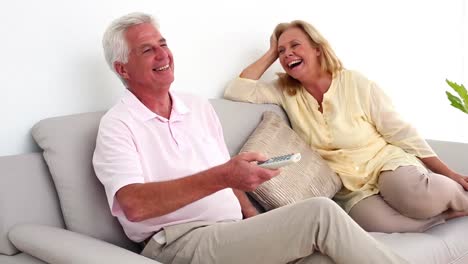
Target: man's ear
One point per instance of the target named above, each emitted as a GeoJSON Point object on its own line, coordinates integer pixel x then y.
{"type": "Point", "coordinates": [121, 70]}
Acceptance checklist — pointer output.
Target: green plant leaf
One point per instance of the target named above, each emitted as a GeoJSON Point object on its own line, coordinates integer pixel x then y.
{"type": "Point", "coordinates": [462, 92]}
{"type": "Point", "coordinates": [456, 102]}
{"type": "Point", "coordinates": [459, 103]}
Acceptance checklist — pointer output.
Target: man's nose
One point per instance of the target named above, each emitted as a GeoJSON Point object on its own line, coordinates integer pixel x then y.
{"type": "Point", "coordinates": [161, 53]}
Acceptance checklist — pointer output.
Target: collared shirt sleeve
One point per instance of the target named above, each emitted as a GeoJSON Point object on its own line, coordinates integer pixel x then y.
{"type": "Point", "coordinates": [115, 159]}
{"type": "Point", "coordinates": [393, 127]}
{"type": "Point", "coordinates": [253, 91]}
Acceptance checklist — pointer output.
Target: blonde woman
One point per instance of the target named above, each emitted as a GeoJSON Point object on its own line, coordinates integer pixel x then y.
{"type": "Point", "coordinates": [380, 158]}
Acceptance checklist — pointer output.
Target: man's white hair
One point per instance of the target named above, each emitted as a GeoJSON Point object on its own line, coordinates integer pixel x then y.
{"type": "Point", "coordinates": [114, 42]}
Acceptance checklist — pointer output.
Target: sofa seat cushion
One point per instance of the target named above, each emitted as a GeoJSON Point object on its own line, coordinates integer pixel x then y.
{"type": "Point", "coordinates": [416, 247]}
{"type": "Point", "coordinates": [441, 244]}
{"type": "Point", "coordinates": [454, 234]}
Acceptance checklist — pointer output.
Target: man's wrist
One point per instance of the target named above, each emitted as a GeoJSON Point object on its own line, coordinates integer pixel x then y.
{"type": "Point", "coordinates": [219, 174]}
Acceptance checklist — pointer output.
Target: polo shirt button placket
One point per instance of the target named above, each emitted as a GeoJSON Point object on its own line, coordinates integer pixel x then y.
{"type": "Point", "coordinates": [173, 132]}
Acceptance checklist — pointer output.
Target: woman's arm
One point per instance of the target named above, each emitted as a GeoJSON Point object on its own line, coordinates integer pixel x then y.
{"type": "Point", "coordinates": [398, 132]}
{"type": "Point", "coordinates": [255, 70]}
{"type": "Point", "coordinates": [247, 87]}
{"type": "Point", "coordinates": [393, 127]}
{"type": "Point", "coordinates": [438, 166]}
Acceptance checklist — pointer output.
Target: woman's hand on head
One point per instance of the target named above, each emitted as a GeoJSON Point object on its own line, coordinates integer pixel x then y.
{"type": "Point", "coordinates": [255, 70]}
{"type": "Point", "coordinates": [274, 44]}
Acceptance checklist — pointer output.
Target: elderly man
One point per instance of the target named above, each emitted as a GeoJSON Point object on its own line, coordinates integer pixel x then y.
{"type": "Point", "coordinates": [170, 181]}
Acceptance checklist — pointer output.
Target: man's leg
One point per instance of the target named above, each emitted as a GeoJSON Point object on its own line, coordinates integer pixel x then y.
{"type": "Point", "coordinates": [419, 194]}
{"type": "Point", "coordinates": [283, 235]}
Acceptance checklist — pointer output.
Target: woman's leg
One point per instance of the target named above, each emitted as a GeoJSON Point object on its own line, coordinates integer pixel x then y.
{"type": "Point", "coordinates": [417, 193]}
{"type": "Point", "coordinates": [373, 214]}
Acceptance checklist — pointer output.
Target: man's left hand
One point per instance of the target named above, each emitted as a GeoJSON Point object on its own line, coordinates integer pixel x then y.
{"type": "Point", "coordinates": [250, 212]}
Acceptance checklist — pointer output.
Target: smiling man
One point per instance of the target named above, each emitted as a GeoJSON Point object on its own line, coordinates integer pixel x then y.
{"type": "Point", "coordinates": [170, 182]}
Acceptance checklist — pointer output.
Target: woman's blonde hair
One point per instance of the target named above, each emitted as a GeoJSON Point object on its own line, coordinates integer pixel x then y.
{"type": "Point", "coordinates": [329, 62]}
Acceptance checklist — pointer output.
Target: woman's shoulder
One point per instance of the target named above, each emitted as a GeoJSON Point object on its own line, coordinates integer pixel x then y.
{"type": "Point", "coordinates": [352, 75]}
{"type": "Point", "coordinates": [240, 81]}
{"type": "Point", "coordinates": [354, 82]}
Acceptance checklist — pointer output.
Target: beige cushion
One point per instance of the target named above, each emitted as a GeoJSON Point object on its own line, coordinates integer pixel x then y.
{"type": "Point", "coordinates": [310, 177]}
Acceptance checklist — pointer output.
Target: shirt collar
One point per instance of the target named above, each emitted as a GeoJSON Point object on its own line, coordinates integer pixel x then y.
{"type": "Point", "coordinates": [140, 111]}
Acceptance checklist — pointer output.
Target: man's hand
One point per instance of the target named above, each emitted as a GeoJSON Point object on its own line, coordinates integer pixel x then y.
{"type": "Point", "coordinates": [249, 212]}
{"type": "Point", "coordinates": [242, 174]}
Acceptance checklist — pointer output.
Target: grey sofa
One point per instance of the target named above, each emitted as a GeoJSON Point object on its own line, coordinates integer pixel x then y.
{"type": "Point", "coordinates": [53, 209]}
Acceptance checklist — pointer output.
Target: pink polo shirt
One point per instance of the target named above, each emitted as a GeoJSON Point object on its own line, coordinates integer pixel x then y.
{"type": "Point", "coordinates": [135, 145]}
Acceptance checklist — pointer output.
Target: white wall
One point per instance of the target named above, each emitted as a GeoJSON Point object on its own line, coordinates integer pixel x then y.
{"type": "Point", "coordinates": [465, 42]}
{"type": "Point", "coordinates": [53, 63]}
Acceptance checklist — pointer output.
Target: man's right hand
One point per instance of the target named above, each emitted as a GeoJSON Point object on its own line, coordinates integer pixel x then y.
{"type": "Point", "coordinates": [142, 201]}
{"type": "Point", "coordinates": [241, 173]}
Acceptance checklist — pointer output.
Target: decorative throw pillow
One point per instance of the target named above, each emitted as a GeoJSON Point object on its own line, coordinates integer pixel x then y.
{"type": "Point", "coordinates": [310, 177]}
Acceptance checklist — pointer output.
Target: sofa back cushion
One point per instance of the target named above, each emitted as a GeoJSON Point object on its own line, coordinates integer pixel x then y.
{"type": "Point", "coordinates": [68, 143]}
{"type": "Point", "coordinates": [27, 195]}
{"type": "Point", "coordinates": [239, 120]}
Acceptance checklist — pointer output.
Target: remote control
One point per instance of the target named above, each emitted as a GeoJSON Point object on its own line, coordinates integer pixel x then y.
{"type": "Point", "coordinates": [280, 161]}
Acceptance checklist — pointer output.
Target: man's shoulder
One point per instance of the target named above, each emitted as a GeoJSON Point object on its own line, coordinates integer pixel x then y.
{"type": "Point", "coordinates": [118, 113]}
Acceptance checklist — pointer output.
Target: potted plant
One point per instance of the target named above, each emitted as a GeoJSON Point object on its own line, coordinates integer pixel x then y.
{"type": "Point", "coordinates": [461, 101]}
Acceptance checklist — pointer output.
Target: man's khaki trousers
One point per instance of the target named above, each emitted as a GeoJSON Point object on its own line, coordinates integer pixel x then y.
{"type": "Point", "coordinates": [290, 234]}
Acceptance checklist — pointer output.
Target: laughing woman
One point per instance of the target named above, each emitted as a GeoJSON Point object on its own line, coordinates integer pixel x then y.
{"type": "Point", "coordinates": [393, 181]}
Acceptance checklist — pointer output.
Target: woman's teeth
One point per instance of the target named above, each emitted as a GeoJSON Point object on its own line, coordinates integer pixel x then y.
{"type": "Point", "coordinates": [294, 63]}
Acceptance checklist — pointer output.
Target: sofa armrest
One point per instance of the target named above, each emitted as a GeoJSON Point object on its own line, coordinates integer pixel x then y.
{"type": "Point", "coordinates": [54, 245]}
